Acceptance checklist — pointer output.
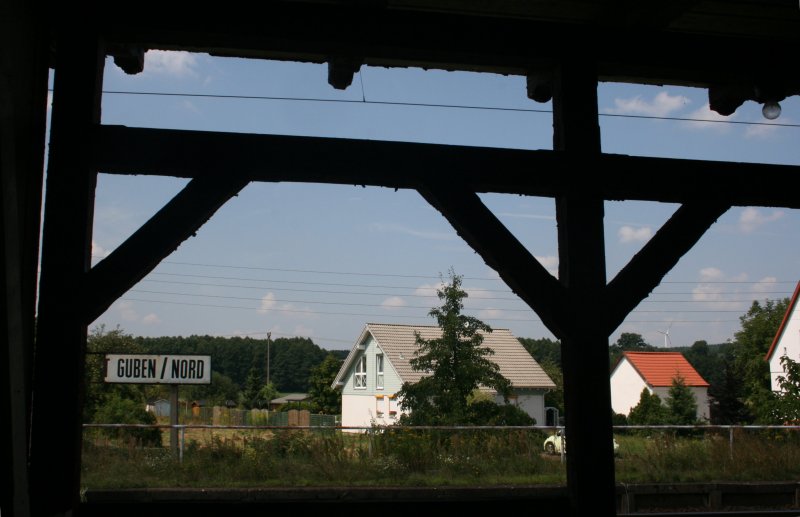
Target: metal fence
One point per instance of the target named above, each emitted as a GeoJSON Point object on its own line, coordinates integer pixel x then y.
{"type": "Point", "coordinates": [282, 421]}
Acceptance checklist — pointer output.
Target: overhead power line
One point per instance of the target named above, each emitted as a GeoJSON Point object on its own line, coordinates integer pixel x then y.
{"type": "Point", "coordinates": [430, 105]}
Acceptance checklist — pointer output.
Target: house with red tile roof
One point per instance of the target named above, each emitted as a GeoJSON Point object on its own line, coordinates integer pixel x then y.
{"type": "Point", "coordinates": [655, 372]}
{"type": "Point", "coordinates": [786, 341]}
{"type": "Point", "coordinates": [379, 364]}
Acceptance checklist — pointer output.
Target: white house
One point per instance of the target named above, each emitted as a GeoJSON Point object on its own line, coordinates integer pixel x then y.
{"type": "Point", "coordinates": [655, 371]}
{"type": "Point", "coordinates": [786, 342]}
{"type": "Point", "coordinates": [378, 365]}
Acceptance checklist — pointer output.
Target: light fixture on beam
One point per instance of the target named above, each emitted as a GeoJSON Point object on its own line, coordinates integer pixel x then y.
{"type": "Point", "coordinates": [771, 110]}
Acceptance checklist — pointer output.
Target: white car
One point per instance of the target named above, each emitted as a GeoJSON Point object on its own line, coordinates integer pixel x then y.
{"type": "Point", "coordinates": [555, 443]}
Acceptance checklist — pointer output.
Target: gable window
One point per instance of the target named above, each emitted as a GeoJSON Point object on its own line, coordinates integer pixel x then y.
{"type": "Point", "coordinates": [360, 378]}
{"type": "Point", "coordinates": [379, 371]}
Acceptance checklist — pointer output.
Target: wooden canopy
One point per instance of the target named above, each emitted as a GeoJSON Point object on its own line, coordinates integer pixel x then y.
{"type": "Point", "coordinates": [739, 50]}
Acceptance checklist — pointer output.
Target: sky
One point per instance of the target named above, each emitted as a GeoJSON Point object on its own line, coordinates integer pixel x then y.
{"type": "Point", "coordinates": [320, 261]}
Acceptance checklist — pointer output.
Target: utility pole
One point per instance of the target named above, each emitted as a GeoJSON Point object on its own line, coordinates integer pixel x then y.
{"type": "Point", "coordinates": [269, 335]}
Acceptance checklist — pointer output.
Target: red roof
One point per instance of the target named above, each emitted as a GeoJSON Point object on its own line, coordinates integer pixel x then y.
{"type": "Point", "coordinates": [786, 316]}
{"type": "Point", "coordinates": [659, 368]}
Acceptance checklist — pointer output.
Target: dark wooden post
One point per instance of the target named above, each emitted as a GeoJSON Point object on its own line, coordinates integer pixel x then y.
{"type": "Point", "coordinates": [66, 257]}
{"type": "Point", "coordinates": [582, 271]}
{"type": "Point", "coordinates": [23, 95]}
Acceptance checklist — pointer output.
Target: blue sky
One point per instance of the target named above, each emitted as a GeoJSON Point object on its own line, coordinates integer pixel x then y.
{"type": "Point", "coordinates": [321, 261]}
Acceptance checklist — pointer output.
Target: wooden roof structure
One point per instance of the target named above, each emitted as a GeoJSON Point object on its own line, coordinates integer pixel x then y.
{"type": "Point", "coordinates": [738, 49]}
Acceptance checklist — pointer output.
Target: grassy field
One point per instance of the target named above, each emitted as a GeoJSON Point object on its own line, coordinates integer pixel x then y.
{"type": "Point", "coordinates": [407, 457]}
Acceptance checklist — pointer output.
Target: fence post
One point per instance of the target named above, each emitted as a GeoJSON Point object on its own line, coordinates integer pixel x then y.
{"type": "Point", "coordinates": [730, 440]}
{"type": "Point", "coordinates": [183, 442]}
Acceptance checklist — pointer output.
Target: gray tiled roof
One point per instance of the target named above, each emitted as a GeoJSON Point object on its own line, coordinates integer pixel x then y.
{"type": "Point", "coordinates": [516, 364]}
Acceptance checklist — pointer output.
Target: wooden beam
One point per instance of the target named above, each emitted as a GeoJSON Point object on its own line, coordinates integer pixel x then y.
{"type": "Point", "coordinates": [23, 114]}
{"type": "Point", "coordinates": [195, 154]}
{"type": "Point", "coordinates": [490, 40]}
{"type": "Point", "coordinates": [155, 240]}
{"type": "Point", "coordinates": [582, 271]}
{"type": "Point", "coordinates": [501, 251]}
{"type": "Point", "coordinates": [66, 252]}
{"type": "Point", "coordinates": [648, 267]}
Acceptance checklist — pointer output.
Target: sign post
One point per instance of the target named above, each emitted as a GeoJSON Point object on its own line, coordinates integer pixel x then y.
{"type": "Point", "coordinates": [160, 369]}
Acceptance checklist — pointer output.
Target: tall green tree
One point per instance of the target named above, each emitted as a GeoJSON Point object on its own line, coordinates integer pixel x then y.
{"type": "Point", "coordinates": [256, 394]}
{"type": "Point", "coordinates": [456, 362]}
{"type": "Point", "coordinates": [681, 403]}
{"type": "Point", "coordinates": [325, 399]}
{"type": "Point", "coordinates": [649, 410]}
{"type": "Point", "coordinates": [759, 326]}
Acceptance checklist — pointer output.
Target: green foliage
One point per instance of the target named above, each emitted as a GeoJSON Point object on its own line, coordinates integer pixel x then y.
{"type": "Point", "coordinates": [256, 394]}
{"type": "Point", "coordinates": [118, 410]}
{"type": "Point", "coordinates": [785, 404]}
{"type": "Point", "coordinates": [221, 390]}
{"type": "Point", "coordinates": [487, 412]}
{"type": "Point", "coordinates": [544, 350]}
{"type": "Point", "coordinates": [324, 399]}
{"type": "Point", "coordinates": [759, 326]}
{"type": "Point", "coordinates": [291, 359]}
{"type": "Point", "coordinates": [681, 403]}
{"type": "Point", "coordinates": [627, 342]}
{"type": "Point", "coordinates": [649, 410]}
{"type": "Point", "coordinates": [100, 342]}
{"type": "Point", "coordinates": [555, 397]}
{"type": "Point", "coordinates": [457, 364]}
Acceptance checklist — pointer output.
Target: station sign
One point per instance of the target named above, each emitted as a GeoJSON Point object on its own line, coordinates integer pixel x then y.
{"type": "Point", "coordinates": [158, 369]}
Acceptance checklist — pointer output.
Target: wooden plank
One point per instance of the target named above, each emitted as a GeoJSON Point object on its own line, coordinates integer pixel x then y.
{"type": "Point", "coordinates": [584, 344]}
{"type": "Point", "coordinates": [155, 240]}
{"type": "Point", "coordinates": [66, 252]}
{"type": "Point", "coordinates": [501, 251]}
{"type": "Point", "coordinates": [649, 266]}
{"type": "Point", "coordinates": [195, 154]}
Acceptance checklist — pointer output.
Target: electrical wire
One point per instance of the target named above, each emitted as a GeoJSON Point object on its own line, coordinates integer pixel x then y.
{"type": "Point", "coordinates": [432, 105]}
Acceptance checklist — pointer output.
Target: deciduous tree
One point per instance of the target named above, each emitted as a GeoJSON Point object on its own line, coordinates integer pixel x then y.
{"type": "Point", "coordinates": [455, 364]}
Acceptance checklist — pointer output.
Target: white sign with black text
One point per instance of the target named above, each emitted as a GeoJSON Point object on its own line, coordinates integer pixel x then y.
{"type": "Point", "coordinates": [158, 369]}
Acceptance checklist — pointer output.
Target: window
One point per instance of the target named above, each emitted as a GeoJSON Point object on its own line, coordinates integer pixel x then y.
{"type": "Point", "coordinates": [360, 378]}
{"type": "Point", "coordinates": [379, 371]}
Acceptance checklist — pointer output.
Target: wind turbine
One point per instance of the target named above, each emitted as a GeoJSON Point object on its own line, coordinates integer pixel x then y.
{"type": "Point", "coordinates": [667, 341]}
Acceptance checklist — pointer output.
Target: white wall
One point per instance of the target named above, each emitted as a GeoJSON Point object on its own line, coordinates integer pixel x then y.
{"type": "Point", "coordinates": [531, 402]}
{"type": "Point", "coordinates": [626, 387]}
{"type": "Point", "coordinates": [700, 397]}
{"type": "Point", "coordinates": [363, 410]}
{"type": "Point", "coordinates": [789, 345]}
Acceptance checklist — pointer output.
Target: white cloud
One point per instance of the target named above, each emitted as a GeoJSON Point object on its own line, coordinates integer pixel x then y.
{"type": "Point", "coordinates": [151, 319]}
{"type": "Point", "coordinates": [630, 234]}
{"type": "Point", "coordinates": [189, 106]}
{"type": "Point", "coordinates": [490, 313]}
{"type": "Point", "coordinates": [765, 129]}
{"type": "Point", "coordinates": [99, 251]}
{"type": "Point", "coordinates": [765, 285]}
{"type": "Point", "coordinates": [267, 303]}
{"type": "Point", "coordinates": [713, 118]}
{"type": "Point", "coordinates": [428, 290]}
{"type": "Point", "coordinates": [751, 218]}
{"type": "Point", "coordinates": [168, 62]}
{"type": "Point", "coordinates": [398, 228]}
{"type": "Point", "coordinates": [127, 311]}
{"type": "Point", "coordinates": [714, 292]}
{"type": "Point", "coordinates": [393, 302]}
{"type": "Point", "coordinates": [549, 262]}
{"type": "Point", "coordinates": [302, 330]}
{"type": "Point", "coordinates": [662, 105]}
{"type": "Point", "coordinates": [518, 215]}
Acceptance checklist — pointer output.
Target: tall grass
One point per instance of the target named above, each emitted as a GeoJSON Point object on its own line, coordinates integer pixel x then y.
{"type": "Point", "coordinates": [414, 457]}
